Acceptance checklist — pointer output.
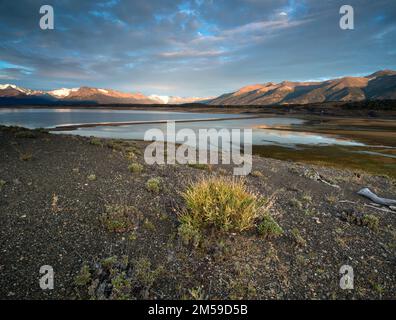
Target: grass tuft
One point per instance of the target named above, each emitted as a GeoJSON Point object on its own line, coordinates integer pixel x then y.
{"type": "Point", "coordinates": [95, 141]}
{"type": "Point", "coordinates": [219, 203]}
{"type": "Point", "coordinates": [269, 228]}
{"type": "Point", "coordinates": [84, 277]}
{"type": "Point", "coordinates": [135, 168]}
{"type": "Point", "coordinates": [200, 166]}
{"type": "Point", "coordinates": [26, 156]}
{"type": "Point", "coordinates": [25, 134]}
{"type": "Point", "coordinates": [300, 241]}
{"type": "Point", "coordinates": [371, 222]}
{"type": "Point", "coordinates": [119, 218]}
{"type": "Point", "coordinates": [145, 274]}
{"type": "Point", "coordinates": [2, 184]}
{"type": "Point", "coordinates": [154, 185]}
{"type": "Point", "coordinates": [256, 174]}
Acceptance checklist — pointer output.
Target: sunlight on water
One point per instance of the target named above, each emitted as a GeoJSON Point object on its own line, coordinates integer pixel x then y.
{"type": "Point", "coordinates": [35, 118]}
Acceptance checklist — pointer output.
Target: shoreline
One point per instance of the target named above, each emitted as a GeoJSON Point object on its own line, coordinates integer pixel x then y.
{"type": "Point", "coordinates": [365, 109]}
{"type": "Point", "coordinates": [126, 123]}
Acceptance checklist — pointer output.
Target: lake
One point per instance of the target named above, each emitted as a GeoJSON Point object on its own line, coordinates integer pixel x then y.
{"type": "Point", "coordinates": [50, 118]}
{"type": "Point", "coordinates": [369, 146]}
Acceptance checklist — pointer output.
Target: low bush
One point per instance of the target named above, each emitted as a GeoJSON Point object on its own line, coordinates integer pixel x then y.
{"type": "Point", "coordinates": [269, 228]}
{"type": "Point", "coordinates": [220, 203]}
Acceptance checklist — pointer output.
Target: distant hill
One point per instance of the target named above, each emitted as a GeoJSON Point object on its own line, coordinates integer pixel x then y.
{"type": "Point", "coordinates": [377, 86]}
{"type": "Point", "coordinates": [380, 85]}
{"type": "Point", "coordinates": [11, 94]}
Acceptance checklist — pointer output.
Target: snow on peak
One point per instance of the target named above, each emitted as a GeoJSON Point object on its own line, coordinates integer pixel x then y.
{"type": "Point", "coordinates": [5, 86]}
{"type": "Point", "coordinates": [160, 99]}
{"type": "Point", "coordinates": [103, 91]}
{"type": "Point", "coordinates": [13, 86]}
{"type": "Point", "coordinates": [62, 93]}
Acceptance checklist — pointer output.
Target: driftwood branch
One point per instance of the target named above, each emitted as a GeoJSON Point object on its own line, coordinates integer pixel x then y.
{"type": "Point", "coordinates": [314, 175]}
{"type": "Point", "coordinates": [378, 208]}
{"type": "Point", "coordinates": [366, 192]}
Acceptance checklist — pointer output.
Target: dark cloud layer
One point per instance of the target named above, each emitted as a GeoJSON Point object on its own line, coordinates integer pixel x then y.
{"type": "Point", "coordinates": [196, 47]}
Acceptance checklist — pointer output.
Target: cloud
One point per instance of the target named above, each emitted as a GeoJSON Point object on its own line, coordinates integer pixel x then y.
{"type": "Point", "coordinates": [191, 47]}
{"type": "Point", "coordinates": [191, 53]}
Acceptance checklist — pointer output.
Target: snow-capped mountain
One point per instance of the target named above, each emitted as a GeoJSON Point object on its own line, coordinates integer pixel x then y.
{"type": "Point", "coordinates": [380, 85]}
{"type": "Point", "coordinates": [12, 94]}
{"type": "Point", "coordinates": [97, 95]}
{"type": "Point", "coordinates": [177, 100]}
{"type": "Point", "coordinates": [13, 88]}
{"type": "Point", "coordinates": [61, 93]}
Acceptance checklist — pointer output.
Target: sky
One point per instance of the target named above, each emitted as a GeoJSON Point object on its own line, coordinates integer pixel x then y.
{"type": "Point", "coordinates": [195, 48]}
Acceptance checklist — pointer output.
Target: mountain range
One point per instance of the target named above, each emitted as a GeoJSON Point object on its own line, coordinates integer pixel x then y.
{"type": "Point", "coordinates": [380, 85]}
{"type": "Point", "coordinates": [11, 94]}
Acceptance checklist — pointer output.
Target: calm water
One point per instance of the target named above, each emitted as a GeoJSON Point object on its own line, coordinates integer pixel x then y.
{"type": "Point", "coordinates": [47, 118]}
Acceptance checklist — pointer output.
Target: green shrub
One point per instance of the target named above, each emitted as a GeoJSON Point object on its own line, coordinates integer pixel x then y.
{"type": "Point", "coordinates": [25, 134]}
{"type": "Point", "coordinates": [144, 274]}
{"type": "Point", "coordinates": [188, 231]}
{"type": "Point", "coordinates": [95, 141]}
{"type": "Point", "coordinates": [269, 228]}
{"type": "Point", "coordinates": [91, 177]}
{"type": "Point", "coordinates": [42, 130]}
{"type": "Point", "coordinates": [154, 185]}
{"type": "Point", "coordinates": [135, 168]}
{"type": "Point", "coordinates": [298, 238]}
{"type": "Point", "coordinates": [2, 184]}
{"type": "Point", "coordinates": [295, 203]}
{"type": "Point", "coordinates": [84, 277]}
{"type": "Point", "coordinates": [121, 287]}
{"type": "Point", "coordinates": [119, 218]}
{"type": "Point", "coordinates": [148, 225]}
{"type": "Point", "coordinates": [109, 262]}
{"type": "Point", "coordinates": [371, 221]}
{"type": "Point", "coordinates": [131, 156]}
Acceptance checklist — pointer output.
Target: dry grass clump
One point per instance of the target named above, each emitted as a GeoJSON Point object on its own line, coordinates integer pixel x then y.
{"type": "Point", "coordinates": [26, 156]}
{"type": "Point", "coordinates": [219, 203]}
{"type": "Point", "coordinates": [201, 166]}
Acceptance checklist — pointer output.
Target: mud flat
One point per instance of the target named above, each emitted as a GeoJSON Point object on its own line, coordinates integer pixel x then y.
{"type": "Point", "coordinates": [377, 156]}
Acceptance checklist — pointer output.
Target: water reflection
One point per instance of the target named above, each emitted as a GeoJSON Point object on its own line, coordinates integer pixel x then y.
{"type": "Point", "coordinates": [263, 128]}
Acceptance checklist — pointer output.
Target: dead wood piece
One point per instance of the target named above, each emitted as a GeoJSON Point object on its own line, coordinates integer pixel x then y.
{"type": "Point", "coordinates": [367, 193]}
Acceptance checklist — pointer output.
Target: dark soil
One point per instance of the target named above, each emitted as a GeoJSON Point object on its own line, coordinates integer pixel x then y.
{"type": "Point", "coordinates": [51, 204]}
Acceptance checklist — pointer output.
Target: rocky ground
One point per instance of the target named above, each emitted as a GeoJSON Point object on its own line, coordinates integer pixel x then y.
{"type": "Point", "coordinates": [56, 192]}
